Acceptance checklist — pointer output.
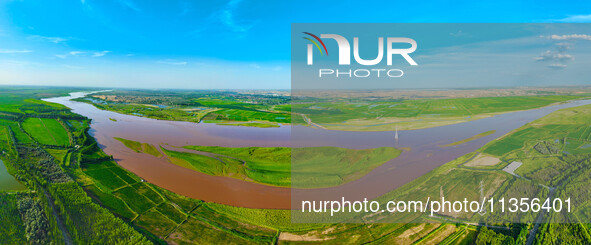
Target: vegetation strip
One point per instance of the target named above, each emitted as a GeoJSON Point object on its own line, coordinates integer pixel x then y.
{"type": "Point", "coordinates": [475, 137]}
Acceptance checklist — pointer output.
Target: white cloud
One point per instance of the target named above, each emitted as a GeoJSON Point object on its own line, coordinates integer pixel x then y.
{"type": "Point", "coordinates": [549, 55]}
{"type": "Point", "coordinates": [557, 66]}
{"type": "Point", "coordinates": [571, 37]}
{"type": "Point", "coordinates": [49, 39]}
{"type": "Point", "coordinates": [71, 53]}
{"type": "Point", "coordinates": [562, 47]}
{"type": "Point", "coordinates": [83, 53]}
{"type": "Point", "coordinates": [100, 54]}
{"type": "Point", "coordinates": [576, 18]}
{"type": "Point", "coordinates": [76, 53]}
{"type": "Point", "coordinates": [14, 51]}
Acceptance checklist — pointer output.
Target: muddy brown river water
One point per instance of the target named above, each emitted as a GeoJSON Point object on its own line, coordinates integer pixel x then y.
{"type": "Point", "coordinates": [425, 154]}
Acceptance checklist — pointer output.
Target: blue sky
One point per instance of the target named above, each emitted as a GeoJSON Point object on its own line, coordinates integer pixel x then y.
{"type": "Point", "coordinates": [237, 44]}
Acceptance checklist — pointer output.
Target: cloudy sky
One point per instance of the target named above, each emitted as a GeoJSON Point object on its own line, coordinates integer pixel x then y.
{"type": "Point", "coordinates": [238, 44]}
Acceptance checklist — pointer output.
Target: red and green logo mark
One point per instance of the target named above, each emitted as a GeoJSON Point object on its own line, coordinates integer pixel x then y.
{"type": "Point", "coordinates": [315, 43]}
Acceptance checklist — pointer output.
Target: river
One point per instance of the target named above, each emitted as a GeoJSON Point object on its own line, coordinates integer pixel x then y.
{"type": "Point", "coordinates": [426, 152]}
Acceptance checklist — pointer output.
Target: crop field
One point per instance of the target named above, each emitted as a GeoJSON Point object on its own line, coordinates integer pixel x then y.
{"type": "Point", "coordinates": [46, 131]}
{"type": "Point", "coordinates": [20, 136]}
{"type": "Point", "coordinates": [164, 214]}
{"type": "Point", "coordinates": [136, 201]}
{"type": "Point", "coordinates": [413, 114]}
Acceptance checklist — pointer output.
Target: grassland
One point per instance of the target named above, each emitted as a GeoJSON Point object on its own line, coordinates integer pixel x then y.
{"type": "Point", "coordinates": [316, 167]}
{"type": "Point", "coordinates": [372, 115]}
{"type": "Point", "coordinates": [140, 147]}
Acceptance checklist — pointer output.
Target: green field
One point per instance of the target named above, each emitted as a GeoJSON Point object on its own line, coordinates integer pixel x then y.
{"type": "Point", "coordinates": [134, 145]}
{"type": "Point", "coordinates": [140, 147]}
{"type": "Point", "coordinates": [382, 115]}
{"type": "Point", "coordinates": [568, 129]}
{"type": "Point", "coordinates": [18, 133]}
{"type": "Point", "coordinates": [316, 167]}
{"type": "Point", "coordinates": [46, 131]}
{"type": "Point", "coordinates": [247, 115]}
